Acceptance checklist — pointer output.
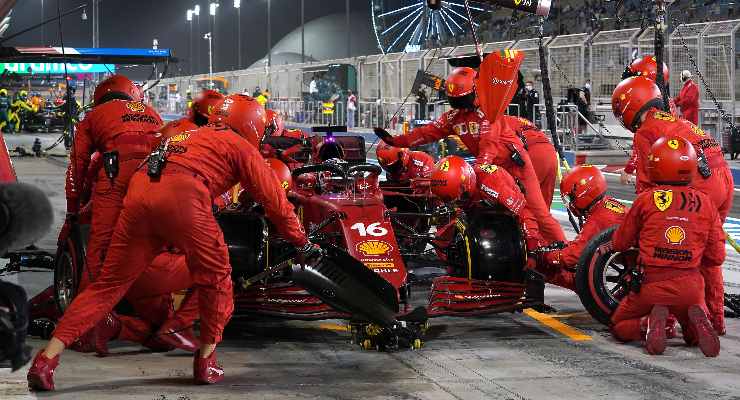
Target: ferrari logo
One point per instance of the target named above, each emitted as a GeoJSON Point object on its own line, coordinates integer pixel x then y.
{"type": "Point", "coordinates": [285, 185]}
{"type": "Point", "coordinates": [445, 166]}
{"type": "Point", "coordinates": [473, 128]}
{"type": "Point", "coordinates": [517, 2]}
{"type": "Point", "coordinates": [614, 207]}
{"type": "Point", "coordinates": [136, 106]}
{"type": "Point", "coordinates": [488, 168]}
{"type": "Point", "coordinates": [675, 235]}
{"type": "Point", "coordinates": [673, 143]}
{"type": "Point", "coordinates": [210, 110]}
{"type": "Point", "coordinates": [664, 116]}
{"type": "Point", "coordinates": [450, 87]}
{"type": "Point", "coordinates": [663, 199]}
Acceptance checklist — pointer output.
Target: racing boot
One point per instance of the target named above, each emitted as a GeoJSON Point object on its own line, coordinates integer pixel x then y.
{"type": "Point", "coordinates": [172, 333]}
{"type": "Point", "coordinates": [206, 371]}
{"type": "Point", "coordinates": [41, 374]}
{"type": "Point", "coordinates": [705, 334]}
{"type": "Point", "coordinates": [655, 336]}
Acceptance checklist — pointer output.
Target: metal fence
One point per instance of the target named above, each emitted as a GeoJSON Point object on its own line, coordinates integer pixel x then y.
{"type": "Point", "coordinates": [387, 79]}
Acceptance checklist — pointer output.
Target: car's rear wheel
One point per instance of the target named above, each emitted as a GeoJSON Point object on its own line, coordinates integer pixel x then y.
{"type": "Point", "coordinates": [70, 260]}
{"type": "Point", "coordinates": [603, 276]}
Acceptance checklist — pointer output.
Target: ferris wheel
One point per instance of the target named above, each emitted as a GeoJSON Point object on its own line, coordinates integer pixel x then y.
{"type": "Point", "coordinates": [406, 25]}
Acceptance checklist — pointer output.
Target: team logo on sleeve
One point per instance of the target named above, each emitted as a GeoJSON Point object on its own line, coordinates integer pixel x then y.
{"type": "Point", "coordinates": [613, 206]}
{"type": "Point", "coordinates": [673, 143]}
{"type": "Point", "coordinates": [445, 166]}
{"type": "Point", "coordinates": [136, 106]}
{"type": "Point", "coordinates": [488, 168]}
{"type": "Point", "coordinates": [675, 235]}
{"type": "Point", "coordinates": [663, 199]}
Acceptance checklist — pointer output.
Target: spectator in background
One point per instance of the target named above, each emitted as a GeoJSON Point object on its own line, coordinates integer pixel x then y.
{"type": "Point", "coordinates": [688, 98]}
{"type": "Point", "coordinates": [531, 98]}
{"type": "Point", "coordinates": [351, 109]}
{"type": "Point", "coordinates": [263, 98]}
{"type": "Point", "coordinates": [257, 92]}
{"type": "Point", "coordinates": [313, 88]}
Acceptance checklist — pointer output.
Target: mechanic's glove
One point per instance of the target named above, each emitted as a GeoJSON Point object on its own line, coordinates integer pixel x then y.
{"type": "Point", "coordinates": [384, 135]}
{"type": "Point", "coordinates": [309, 254]}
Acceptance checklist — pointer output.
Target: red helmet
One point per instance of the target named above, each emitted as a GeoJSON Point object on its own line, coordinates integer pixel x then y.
{"type": "Point", "coordinates": [244, 115]}
{"type": "Point", "coordinates": [583, 186]}
{"type": "Point", "coordinates": [672, 160]}
{"type": "Point", "coordinates": [282, 172]}
{"type": "Point", "coordinates": [452, 177]}
{"type": "Point", "coordinates": [206, 103]}
{"type": "Point", "coordinates": [391, 158]}
{"type": "Point", "coordinates": [461, 82]}
{"type": "Point", "coordinates": [116, 87]}
{"type": "Point", "coordinates": [632, 97]}
{"type": "Point", "coordinates": [647, 66]}
{"type": "Point", "coordinates": [275, 121]}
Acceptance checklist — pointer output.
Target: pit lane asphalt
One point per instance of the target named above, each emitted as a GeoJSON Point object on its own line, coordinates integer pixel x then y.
{"type": "Point", "coordinates": [507, 356]}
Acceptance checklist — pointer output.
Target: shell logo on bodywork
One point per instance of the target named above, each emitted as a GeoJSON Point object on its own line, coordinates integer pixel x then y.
{"type": "Point", "coordinates": [675, 235]}
{"type": "Point", "coordinates": [374, 248]}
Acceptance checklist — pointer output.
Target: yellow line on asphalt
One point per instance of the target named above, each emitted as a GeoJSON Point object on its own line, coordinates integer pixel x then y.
{"type": "Point", "coordinates": [550, 322]}
{"type": "Point", "coordinates": [333, 327]}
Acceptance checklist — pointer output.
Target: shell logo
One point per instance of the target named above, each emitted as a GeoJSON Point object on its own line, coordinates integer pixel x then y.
{"type": "Point", "coordinates": [374, 248]}
{"type": "Point", "coordinates": [675, 235]}
{"type": "Point", "coordinates": [179, 138]}
{"type": "Point", "coordinates": [136, 106]}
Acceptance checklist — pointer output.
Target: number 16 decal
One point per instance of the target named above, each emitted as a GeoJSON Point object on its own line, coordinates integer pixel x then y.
{"type": "Point", "coordinates": [373, 229]}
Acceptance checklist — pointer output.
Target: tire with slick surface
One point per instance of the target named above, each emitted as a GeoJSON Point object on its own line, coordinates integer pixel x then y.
{"type": "Point", "coordinates": [589, 282]}
{"type": "Point", "coordinates": [67, 273]}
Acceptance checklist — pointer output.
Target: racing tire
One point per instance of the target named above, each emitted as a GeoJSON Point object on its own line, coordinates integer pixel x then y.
{"type": "Point", "coordinates": [69, 263]}
{"type": "Point", "coordinates": [595, 272]}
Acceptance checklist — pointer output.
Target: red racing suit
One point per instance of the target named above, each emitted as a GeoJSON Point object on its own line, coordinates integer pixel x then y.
{"type": "Point", "coordinates": [175, 209]}
{"type": "Point", "coordinates": [542, 153]}
{"type": "Point", "coordinates": [124, 126]}
{"type": "Point", "coordinates": [719, 186]}
{"type": "Point", "coordinates": [680, 239]}
{"type": "Point", "coordinates": [561, 264]}
{"type": "Point", "coordinates": [688, 101]}
{"type": "Point", "coordinates": [494, 144]}
{"type": "Point", "coordinates": [418, 165]}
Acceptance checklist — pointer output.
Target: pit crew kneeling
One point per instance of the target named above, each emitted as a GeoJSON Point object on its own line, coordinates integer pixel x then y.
{"type": "Point", "coordinates": [677, 230]}
{"type": "Point", "coordinates": [584, 190]}
{"type": "Point", "coordinates": [201, 165]}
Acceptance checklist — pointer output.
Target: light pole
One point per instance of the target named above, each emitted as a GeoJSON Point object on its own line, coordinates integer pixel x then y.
{"type": "Point", "coordinates": [212, 11]}
{"type": "Point", "coordinates": [196, 12]}
{"type": "Point", "coordinates": [155, 45]}
{"type": "Point", "coordinates": [238, 6]}
{"type": "Point", "coordinates": [189, 19]}
{"type": "Point", "coordinates": [303, 31]}
{"type": "Point", "coordinates": [269, 34]}
{"type": "Point", "coordinates": [43, 16]}
{"type": "Point", "coordinates": [208, 37]}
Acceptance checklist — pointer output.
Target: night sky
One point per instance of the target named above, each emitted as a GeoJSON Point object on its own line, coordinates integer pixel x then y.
{"type": "Point", "coordinates": [134, 23]}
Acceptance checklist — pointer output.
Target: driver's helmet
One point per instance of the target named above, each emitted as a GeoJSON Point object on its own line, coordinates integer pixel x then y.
{"type": "Point", "coordinates": [329, 149]}
{"type": "Point", "coordinates": [453, 178]}
{"type": "Point", "coordinates": [392, 159]}
{"type": "Point", "coordinates": [282, 172]}
{"type": "Point", "coordinates": [583, 187]}
{"type": "Point", "coordinates": [23, 94]}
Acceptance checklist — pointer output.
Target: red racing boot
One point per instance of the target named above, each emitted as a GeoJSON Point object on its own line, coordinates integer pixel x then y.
{"type": "Point", "coordinates": [656, 332]}
{"type": "Point", "coordinates": [705, 334]}
{"type": "Point", "coordinates": [174, 334]}
{"type": "Point", "coordinates": [41, 374]}
{"type": "Point", "coordinates": [206, 371]}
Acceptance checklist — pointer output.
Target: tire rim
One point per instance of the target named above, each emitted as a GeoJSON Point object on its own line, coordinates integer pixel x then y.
{"type": "Point", "coordinates": [615, 275]}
